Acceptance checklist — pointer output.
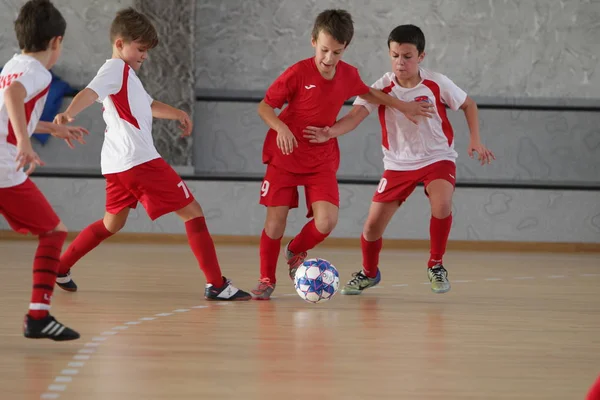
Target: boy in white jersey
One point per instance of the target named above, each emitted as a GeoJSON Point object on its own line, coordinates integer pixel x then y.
{"type": "Point", "coordinates": [413, 154]}
{"type": "Point", "coordinates": [133, 169]}
{"type": "Point", "coordinates": [24, 84]}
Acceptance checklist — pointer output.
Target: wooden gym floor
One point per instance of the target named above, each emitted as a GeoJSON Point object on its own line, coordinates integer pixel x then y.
{"type": "Point", "coordinates": [514, 326]}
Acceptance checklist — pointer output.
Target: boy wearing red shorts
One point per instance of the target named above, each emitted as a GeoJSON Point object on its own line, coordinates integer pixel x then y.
{"type": "Point", "coordinates": [315, 90]}
{"type": "Point", "coordinates": [133, 169]}
{"type": "Point", "coordinates": [413, 153]}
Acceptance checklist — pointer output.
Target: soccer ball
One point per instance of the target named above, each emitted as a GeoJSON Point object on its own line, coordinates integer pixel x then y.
{"type": "Point", "coordinates": [316, 280]}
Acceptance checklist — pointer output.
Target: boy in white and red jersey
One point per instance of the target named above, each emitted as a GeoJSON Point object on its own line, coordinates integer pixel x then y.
{"type": "Point", "coordinates": [315, 90]}
{"type": "Point", "coordinates": [24, 84]}
{"type": "Point", "coordinates": [133, 169]}
{"type": "Point", "coordinates": [413, 154]}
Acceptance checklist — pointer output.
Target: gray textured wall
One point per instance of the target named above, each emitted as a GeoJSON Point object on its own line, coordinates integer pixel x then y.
{"type": "Point", "coordinates": [505, 49]}
{"type": "Point", "coordinates": [87, 43]}
{"type": "Point", "coordinates": [480, 214]}
{"type": "Point", "coordinates": [168, 75]}
{"type": "Point", "coordinates": [538, 146]}
{"type": "Point", "coordinates": [510, 48]}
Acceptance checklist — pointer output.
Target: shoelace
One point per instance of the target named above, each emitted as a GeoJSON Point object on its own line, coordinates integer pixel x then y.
{"type": "Point", "coordinates": [439, 274]}
{"type": "Point", "coordinates": [357, 277]}
{"type": "Point", "coordinates": [294, 261]}
{"type": "Point", "coordinates": [264, 283]}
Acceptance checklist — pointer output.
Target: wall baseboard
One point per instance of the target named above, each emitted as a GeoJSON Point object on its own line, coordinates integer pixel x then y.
{"type": "Point", "coordinates": [402, 244]}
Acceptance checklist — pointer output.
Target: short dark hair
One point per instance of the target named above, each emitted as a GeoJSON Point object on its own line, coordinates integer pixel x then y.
{"type": "Point", "coordinates": [38, 22]}
{"type": "Point", "coordinates": [132, 25]}
{"type": "Point", "coordinates": [408, 34]}
{"type": "Point", "coordinates": [337, 23]}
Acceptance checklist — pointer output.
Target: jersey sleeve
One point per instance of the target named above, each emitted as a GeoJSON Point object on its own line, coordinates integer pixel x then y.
{"type": "Point", "coordinates": [451, 94]}
{"type": "Point", "coordinates": [356, 85]}
{"type": "Point", "coordinates": [34, 81]}
{"type": "Point", "coordinates": [108, 80]}
{"type": "Point", "coordinates": [379, 84]}
{"type": "Point", "coordinates": [282, 89]}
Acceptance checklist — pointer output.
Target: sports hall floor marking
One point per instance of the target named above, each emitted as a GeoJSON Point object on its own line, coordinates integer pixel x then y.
{"type": "Point", "coordinates": [61, 382]}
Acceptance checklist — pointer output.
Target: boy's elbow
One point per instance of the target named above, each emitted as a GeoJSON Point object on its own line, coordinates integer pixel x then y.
{"type": "Point", "coordinates": [468, 103]}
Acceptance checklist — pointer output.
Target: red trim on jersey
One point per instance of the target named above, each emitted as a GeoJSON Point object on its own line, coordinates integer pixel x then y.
{"type": "Point", "coordinates": [29, 107]}
{"type": "Point", "coordinates": [384, 133]}
{"type": "Point", "coordinates": [121, 100]}
{"type": "Point", "coordinates": [441, 108]}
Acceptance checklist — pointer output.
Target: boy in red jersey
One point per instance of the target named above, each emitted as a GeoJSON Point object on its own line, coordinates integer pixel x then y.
{"type": "Point", "coordinates": [315, 90]}
{"type": "Point", "coordinates": [421, 153]}
{"type": "Point", "coordinates": [133, 169]}
{"type": "Point", "coordinates": [24, 85]}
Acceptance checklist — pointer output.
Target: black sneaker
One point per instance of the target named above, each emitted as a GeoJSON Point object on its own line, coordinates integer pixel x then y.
{"type": "Point", "coordinates": [65, 282]}
{"type": "Point", "coordinates": [227, 292]}
{"type": "Point", "coordinates": [47, 328]}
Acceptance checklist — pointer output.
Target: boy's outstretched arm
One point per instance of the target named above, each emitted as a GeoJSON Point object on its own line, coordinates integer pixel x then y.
{"type": "Point", "coordinates": [286, 141]}
{"type": "Point", "coordinates": [14, 98]}
{"type": "Point", "coordinates": [165, 111]}
{"type": "Point", "coordinates": [411, 110]}
{"type": "Point", "coordinates": [484, 155]}
{"type": "Point", "coordinates": [348, 123]}
{"type": "Point", "coordinates": [68, 133]}
{"type": "Point", "coordinates": [82, 100]}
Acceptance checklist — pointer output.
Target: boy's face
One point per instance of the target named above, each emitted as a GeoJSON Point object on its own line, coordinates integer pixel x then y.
{"type": "Point", "coordinates": [405, 60]}
{"type": "Point", "coordinates": [328, 52]}
{"type": "Point", "coordinates": [133, 53]}
{"type": "Point", "coordinates": [55, 47]}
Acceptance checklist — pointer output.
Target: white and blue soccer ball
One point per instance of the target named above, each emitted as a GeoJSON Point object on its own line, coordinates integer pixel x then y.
{"type": "Point", "coordinates": [316, 280]}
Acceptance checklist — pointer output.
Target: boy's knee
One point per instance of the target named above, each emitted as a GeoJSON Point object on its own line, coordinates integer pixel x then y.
{"type": "Point", "coordinates": [441, 209]}
{"type": "Point", "coordinates": [326, 223]}
{"type": "Point", "coordinates": [274, 228]}
{"type": "Point", "coordinates": [372, 231]}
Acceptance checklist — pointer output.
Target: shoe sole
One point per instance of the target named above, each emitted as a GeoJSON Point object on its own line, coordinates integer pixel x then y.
{"type": "Point", "coordinates": [66, 339]}
{"type": "Point", "coordinates": [238, 299]}
{"type": "Point", "coordinates": [440, 291]}
{"type": "Point", "coordinates": [261, 298]}
{"type": "Point", "coordinates": [66, 289]}
{"type": "Point", "coordinates": [350, 292]}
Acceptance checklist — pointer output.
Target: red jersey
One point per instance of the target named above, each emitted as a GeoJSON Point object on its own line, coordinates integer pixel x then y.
{"type": "Point", "coordinates": [312, 101]}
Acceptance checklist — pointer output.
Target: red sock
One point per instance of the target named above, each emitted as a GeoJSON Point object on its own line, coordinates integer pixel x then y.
{"type": "Point", "coordinates": [307, 239]}
{"type": "Point", "coordinates": [45, 267]}
{"type": "Point", "coordinates": [370, 254]}
{"type": "Point", "coordinates": [203, 248]}
{"type": "Point", "coordinates": [594, 393]}
{"type": "Point", "coordinates": [439, 230]}
{"type": "Point", "coordinates": [85, 242]}
{"type": "Point", "coordinates": [269, 253]}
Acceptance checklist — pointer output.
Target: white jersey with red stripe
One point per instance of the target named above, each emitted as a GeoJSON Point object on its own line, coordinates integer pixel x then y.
{"type": "Point", "coordinates": [408, 146]}
{"type": "Point", "coordinates": [128, 115]}
{"type": "Point", "coordinates": [36, 79]}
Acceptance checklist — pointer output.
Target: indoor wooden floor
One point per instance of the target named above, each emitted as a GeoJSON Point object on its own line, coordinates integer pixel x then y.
{"type": "Point", "coordinates": [514, 326]}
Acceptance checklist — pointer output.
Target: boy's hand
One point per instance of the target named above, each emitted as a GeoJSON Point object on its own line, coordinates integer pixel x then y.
{"type": "Point", "coordinates": [26, 156]}
{"type": "Point", "coordinates": [185, 123]}
{"type": "Point", "coordinates": [62, 119]}
{"type": "Point", "coordinates": [483, 153]}
{"type": "Point", "coordinates": [416, 109]}
{"type": "Point", "coordinates": [317, 135]}
{"type": "Point", "coordinates": [286, 141]}
{"type": "Point", "coordinates": [70, 133]}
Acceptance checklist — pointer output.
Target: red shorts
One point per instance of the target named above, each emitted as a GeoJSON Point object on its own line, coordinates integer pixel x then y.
{"type": "Point", "coordinates": [155, 184]}
{"type": "Point", "coordinates": [280, 188]}
{"type": "Point", "coordinates": [398, 185]}
{"type": "Point", "coordinates": [26, 209]}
